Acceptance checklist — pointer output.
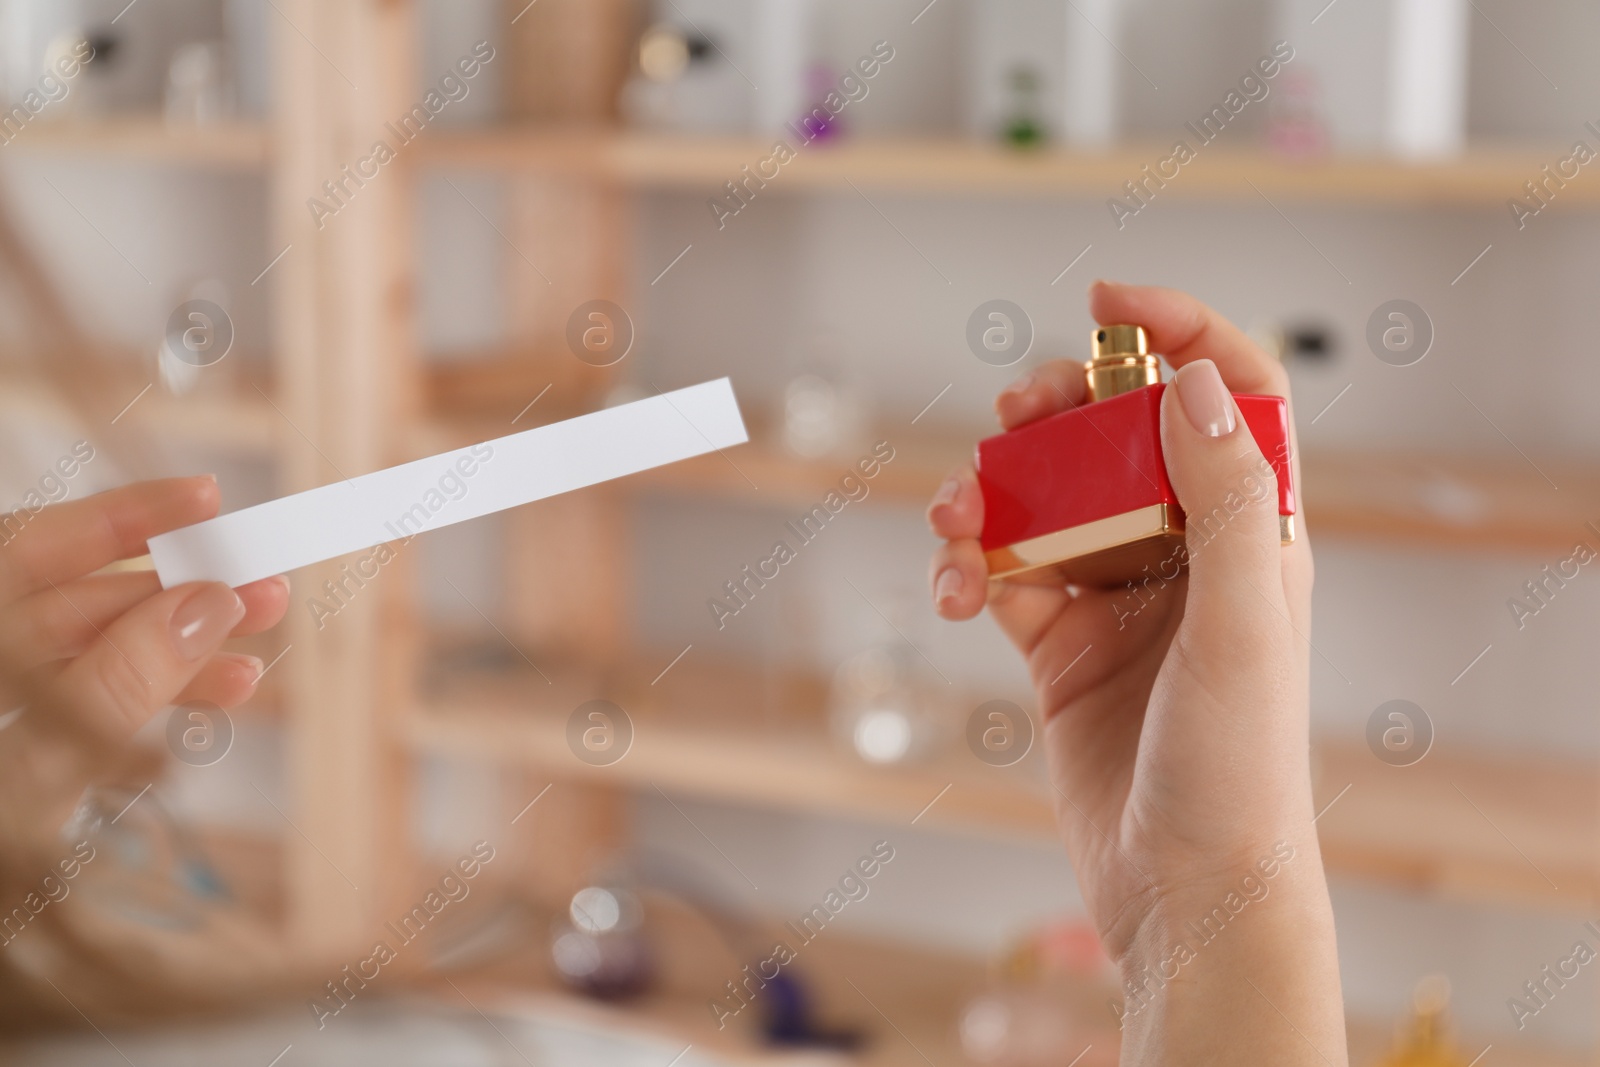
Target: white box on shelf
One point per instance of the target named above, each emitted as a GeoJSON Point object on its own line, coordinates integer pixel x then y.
{"type": "Point", "coordinates": [1383, 78]}
{"type": "Point", "coordinates": [1089, 96]}
{"type": "Point", "coordinates": [1428, 78]}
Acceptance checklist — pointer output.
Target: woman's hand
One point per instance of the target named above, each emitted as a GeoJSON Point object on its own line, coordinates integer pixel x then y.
{"type": "Point", "coordinates": [91, 657]}
{"type": "Point", "coordinates": [1176, 715]}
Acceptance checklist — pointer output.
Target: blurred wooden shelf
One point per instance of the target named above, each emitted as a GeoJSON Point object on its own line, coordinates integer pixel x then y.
{"type": "Point", "coordinates": [237, 420]}
{"type": "Point", "coordinates": [723, 735]}
{"type": "Point", "coordinates": [958, 166]}
{"type": "Point", "coordinates": [1474, 825]}
{"type": "Point", "coordinates": [242, 424]}
{"type": "Point", "coordinates": [1456, 502]}
{"type": "Point", "coordinates": [905, 1000]}
{"type": "Point", "coordinates": [225, 146]}
{"type": "Point", "coordinates": [911, 165]}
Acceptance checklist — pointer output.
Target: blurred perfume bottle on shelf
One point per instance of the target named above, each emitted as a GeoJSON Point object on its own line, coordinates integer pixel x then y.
{"type": "Point", "coordinates": [600, 947]}
{"type": "Point", "coordinates": [699, 64]}
{"type": "Point", "coordinates": [1295, 124]}
{"type": "Point", "coordinates": [1424, 1040]}
{"type": "Point", "coordinates": [199, 90]}
{"type": "Point", "coordinates": [1049, 1004]}
{"type": "Point", "coordinates": [133, 55]}
{"type": "Point", "coordinates": [665, 55]}
{"type": "Point", "coordinates": [1069, 93]}
{"type": "Point", "coordinates": [886, 707]}
{"type": "Point", "coordinates": [1414, 104]}
{"type": "Point", "coordinates": [147, 868]}
{"type": "Point", "coordinates": [823, 416]}
{"type": "Point", "coordinates": [815, 120]}
{"type": "Point", "coordinates": [1024, 128]}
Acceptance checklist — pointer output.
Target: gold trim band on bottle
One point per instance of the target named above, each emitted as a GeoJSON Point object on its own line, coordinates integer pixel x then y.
{"type": "Point", "coordinates": [1079, 543]}
{"type": "Point", "coordinates": [1091, 551]}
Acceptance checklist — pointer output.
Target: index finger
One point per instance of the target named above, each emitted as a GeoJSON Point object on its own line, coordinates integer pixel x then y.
{"type": "Point", "coordinates": [1183, 329]}
{"type": "Point", "coordinates": [62, 542]}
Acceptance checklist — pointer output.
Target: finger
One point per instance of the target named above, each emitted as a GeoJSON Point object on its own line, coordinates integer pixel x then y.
{"type": "Point", "coordinates": [265, 603]}
{"type": "Point", "coordinates": [61, 622]}
{"type": "Point", "coordinates": [956, 510]}
{"type": "Point", "coordinates": [145, 659]}
{"type": "Point", "coordinates": [959, 579]}
{"type": "Point", "coordinates": [1045, 390]}
{"type": "Point", "coordinates": [1230, 498]}
{"type": "Point", "coordinates": [66, 541]}
{"type": "Point", "coordinates": [1183, 329]}
{"type": "Point", "coordinates": [1026, 612]}
{"type": "Point", "coordinates": [958, 575]}
{"type": "Point", "coordinates": [227, 680]}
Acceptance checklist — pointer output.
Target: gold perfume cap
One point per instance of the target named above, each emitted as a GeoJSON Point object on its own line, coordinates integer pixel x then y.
{"type": "Point", "coordinates": [1121, 361]}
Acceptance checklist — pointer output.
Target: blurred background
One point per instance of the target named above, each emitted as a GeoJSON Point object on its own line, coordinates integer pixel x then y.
{"type": "Point", "coordinates": [581, 202]}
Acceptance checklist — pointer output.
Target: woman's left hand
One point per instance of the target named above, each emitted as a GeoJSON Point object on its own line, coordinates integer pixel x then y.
{"type": "Point", "coordinates": [90, 657]}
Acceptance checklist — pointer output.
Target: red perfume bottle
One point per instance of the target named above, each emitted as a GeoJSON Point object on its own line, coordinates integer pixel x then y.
{"type": "Point", "coordinates": [1082, 497]}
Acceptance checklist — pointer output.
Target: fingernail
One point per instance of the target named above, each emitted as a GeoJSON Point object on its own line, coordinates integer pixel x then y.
{"type": "Point", "coordinates": [947, 586]}
{"type": "Point", "coordinates": [282, 580]}
{"type": "Point", "coordinates": [1205, 399]}
{"type": "Point", "coordinates": [1022, 384]}
{"type": "Point", "coordinates": [947, 492]}
{"type": "Point", "coordinates": [202, 622]}
{"type": "Point", "coordinates": [251, 664]}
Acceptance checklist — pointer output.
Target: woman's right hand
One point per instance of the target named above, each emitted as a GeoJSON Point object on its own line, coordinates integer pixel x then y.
{"type": "Point", "coordinates": [1176, 714]}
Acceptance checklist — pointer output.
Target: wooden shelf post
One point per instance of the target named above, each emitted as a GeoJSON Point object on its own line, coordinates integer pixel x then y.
{"type": "Point", "coordinates": [346, 385]}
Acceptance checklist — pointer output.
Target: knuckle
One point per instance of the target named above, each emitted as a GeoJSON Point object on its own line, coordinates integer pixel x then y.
{"type": "Point", "coordinates": [122, 689]}
{"type": "Point", "coordinates": [56, 633]}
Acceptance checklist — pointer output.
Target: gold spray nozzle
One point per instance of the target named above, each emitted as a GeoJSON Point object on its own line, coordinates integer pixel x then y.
{"type": "Point", "coordinates": [1121, 361]}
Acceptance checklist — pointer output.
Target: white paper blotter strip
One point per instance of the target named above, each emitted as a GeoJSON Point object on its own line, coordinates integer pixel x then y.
{"type": "Point", "coordinates": [426, 494]}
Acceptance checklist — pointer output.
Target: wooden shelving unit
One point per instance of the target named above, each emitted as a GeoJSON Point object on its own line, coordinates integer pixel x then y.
{"type": "Point", "coordinates": [350, 392]}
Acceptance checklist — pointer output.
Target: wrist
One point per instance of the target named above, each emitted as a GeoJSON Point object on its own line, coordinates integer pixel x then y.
{"type": "Point", "coordinates": [1230, 962]}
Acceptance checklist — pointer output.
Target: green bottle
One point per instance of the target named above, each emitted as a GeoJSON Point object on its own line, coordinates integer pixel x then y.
{"type": "Point", "coordinates": [1023, 129]}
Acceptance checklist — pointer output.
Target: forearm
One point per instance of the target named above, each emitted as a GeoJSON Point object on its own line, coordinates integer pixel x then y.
{"type": "Point", "coordinates": [1242, 971]}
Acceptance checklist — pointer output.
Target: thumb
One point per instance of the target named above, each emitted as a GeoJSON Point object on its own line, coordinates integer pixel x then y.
{"type": "Point", "coordinates": [1229, 494]}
